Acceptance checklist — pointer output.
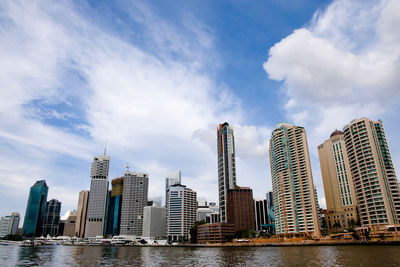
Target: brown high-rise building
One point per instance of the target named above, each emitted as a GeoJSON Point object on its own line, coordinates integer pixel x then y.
{"type": "Point", "coordinates": [374, 178]}
{"type": "Point", "coordinates": [240, 208]}
{"type": "Point", "coordinates": [341, 202]}
{"type": "Point", "coordinates": [81, 213]}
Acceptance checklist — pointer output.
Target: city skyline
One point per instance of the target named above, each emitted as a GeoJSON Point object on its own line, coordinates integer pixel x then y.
{"type": "Point", "coordinates": [157, 82]}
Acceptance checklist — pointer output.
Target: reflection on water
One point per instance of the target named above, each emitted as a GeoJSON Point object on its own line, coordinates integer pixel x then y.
{"type": "Point", "coordinates": [177, 256]}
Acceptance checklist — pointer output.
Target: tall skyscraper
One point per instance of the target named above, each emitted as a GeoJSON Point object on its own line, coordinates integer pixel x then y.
{"type": "Point", "coordinates": [341, 202]}
{"type": "Point", "coordinates": [134, 199]}
{"type": "Point", "coordinates": [154, 222]}
{"type": "Point", "coordinates": [240, 207]}
{"type": "Point", "coordinates": [182, 207]}
{"type": "Point", "coordinates": [35, 209]}
{"type": "Point", "coordinates": [226, 166]}
{"type": "Point", "coordinates": [172, 178]}
{"type": "Point", "coordinates": [294, 198]}
{"type": "Point", "coordinates": [115, 206]}
{"type": "Point", "coordinates": [9, 224]}
{"type": "Point", "coordinates": [81, 213]}
{"type": "Point", "coordinates": [51, 218]}
{"type": "Point", "coordinates": [261, 213]}
{"type": "Point", "coordinates": [374, 178]}
{"type": "Point", "coordinates": [95, 218]}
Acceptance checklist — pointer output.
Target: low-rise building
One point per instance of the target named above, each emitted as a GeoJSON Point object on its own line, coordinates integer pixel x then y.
{"type": "Point", "coordinates": [215, 233]}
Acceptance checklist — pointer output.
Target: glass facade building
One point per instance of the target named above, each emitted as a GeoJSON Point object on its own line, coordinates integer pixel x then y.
{"type": "Point", "coordinates": [51, 218]}
{"type": "Point", "coordinates": [35, 209]}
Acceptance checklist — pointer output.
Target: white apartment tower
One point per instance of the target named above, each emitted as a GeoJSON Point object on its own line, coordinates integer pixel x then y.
{"type": "Point", "coordinates": [375, 183]}
{"type": "Point", "coordinates": [182, 209]}
{"type": "Point", "coordinates": [226, 166]}
{"type": "Point", "coordinates": [97, 201]}
{"type": "Point", "coordinates": [134, 199]}
{"type": "Point", "coordinates": [294, 197]}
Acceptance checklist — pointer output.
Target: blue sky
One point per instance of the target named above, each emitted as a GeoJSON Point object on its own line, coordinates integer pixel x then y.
{"type": "Point", "coordinates": [155, 78]}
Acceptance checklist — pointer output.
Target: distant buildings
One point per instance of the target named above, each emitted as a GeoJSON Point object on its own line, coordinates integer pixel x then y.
{"type": "Point", "coordinates": [35, 209]}
{"type": "Point", "coordinates": [182, 206]}
{"type": "Point", "coordinates": [81, 213]}
{"type": "Point", "coordinates": [95, 218]}
{"type": "Point", "coordinates": [374, 178]}
{"type": "Point", "coordinates": [340, 197]}
{"type": "Point", "coordinates": [226, 166]}
{"type": "Point", "coordinates": [154, 222]}
{"type": "Point", "coordinates": [240, 208]}
{"type": "Point", "coordinates": [9, 224]}
{"type": "Point", "coordinates": [51, 218]}
{"type": "Point", "coordinates": [134, 199]}
{"type": "Point", "coordinates": [294, 198]}
{"type": "Point", "coordinates": [261, 213]}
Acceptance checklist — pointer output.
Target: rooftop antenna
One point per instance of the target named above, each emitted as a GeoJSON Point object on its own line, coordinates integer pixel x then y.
{"type": "Point", "coordinates": [127, 167]}
{"type": "Point", "coordinates": [105, 148]}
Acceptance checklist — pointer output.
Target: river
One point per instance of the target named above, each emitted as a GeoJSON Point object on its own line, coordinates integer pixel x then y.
{"type": "Point", "coordinates": [181, 256]}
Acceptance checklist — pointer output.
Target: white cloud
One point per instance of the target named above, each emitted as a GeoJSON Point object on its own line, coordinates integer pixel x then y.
{"type": "Point", "coordinates": [148, 102]}
{"type": "Point", "coordinates": [345, 64]}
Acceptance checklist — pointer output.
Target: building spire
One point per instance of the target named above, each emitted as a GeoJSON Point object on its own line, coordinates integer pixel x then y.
{"type": "Point", "coordinates": [105, 148]}
{"type": "Point", "coordinates": [127, 167]}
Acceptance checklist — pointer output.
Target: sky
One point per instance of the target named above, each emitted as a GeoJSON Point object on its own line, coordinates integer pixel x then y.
{"type": "Point", "coordinates": [153, 79]}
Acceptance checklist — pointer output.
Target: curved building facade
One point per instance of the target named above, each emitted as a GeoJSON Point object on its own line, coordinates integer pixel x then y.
{"type": "Point", "coordinates": [292, 183]}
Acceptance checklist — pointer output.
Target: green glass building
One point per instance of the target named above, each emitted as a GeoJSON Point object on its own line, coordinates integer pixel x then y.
{"type": "Point", "coordinates": [35, 209]}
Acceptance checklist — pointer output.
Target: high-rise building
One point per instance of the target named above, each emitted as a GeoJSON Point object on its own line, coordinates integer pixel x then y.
{"type": "Point", "coordinates": [341, 202]}
{"type": "Point", "coordinates": [270, 207]}
{"type": "Point", "coordinates": [9, 224]}
{"type": "Point", "coordinates": [226, 166]}
{"type": "Point", "coordinates": [172, 178]}
{"type": "Point", "coordinates": [134, 199]}
{"type": "Point", "coordinates": [35, 209]}
{"type": "Point", "coordinates": [295, 205]}
{"type": "Point", "coordinates": [81, 213]}
{"type": "Point", "coordinates": [154, 222]}
{"type": "Point", "coordinates": [182, 206]}
{"type": "Point", "coordinates": [69, 225]}
{"type": "Point", "coordinates": [51, 218]}
{"type": "Point", "coordinates": [241, 208]}
{"type": "Point", "coordinates": [261, 213]}
{"type": "Point", "coordinates": [374, 178]}
{"type": "Point", "coordinates": [95, 218]}
{"type": "Point", "coordinates": [115, 206]}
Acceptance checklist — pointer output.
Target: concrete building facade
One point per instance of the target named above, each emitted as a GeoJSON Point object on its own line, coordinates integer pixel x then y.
{"type": "Point", "coordinates": [182, 207]}
{"type": "Point", "coordinates": [154, 222]}
{"type": "Point", "coordinates": [260, 213]}
{"type": "Point", "coordinates": [134, 199]}
{"type": "Point", "coordinates": [295, 204]}
{"type": "Point", "coordinates": [226, 166]}
{"type": "Point", "coordinates": [81, 213]}
{"type": "Point", "coordinates": [69, 225]}
{"type": "Point", "coordinates": [9, 224]}
{"type": "Point", "coordinates": [341, 202]}
{"type": "Point", "coordinates": [374, 178]}
{"type": "Point", "coordinates": [97, 201]}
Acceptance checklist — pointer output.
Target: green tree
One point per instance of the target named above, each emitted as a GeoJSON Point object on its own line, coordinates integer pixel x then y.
{"type": "Point", "coordinates": [193, 230]}
{"type": "Point", "coordinates": [13, 238]}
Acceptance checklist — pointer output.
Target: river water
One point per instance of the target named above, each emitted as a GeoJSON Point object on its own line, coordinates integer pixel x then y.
{"type": "Point", "coordinates": [179, 256]}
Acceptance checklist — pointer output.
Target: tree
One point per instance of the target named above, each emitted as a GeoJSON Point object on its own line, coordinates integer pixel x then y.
{"type": "Point", "coordinates": [193, 230]}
